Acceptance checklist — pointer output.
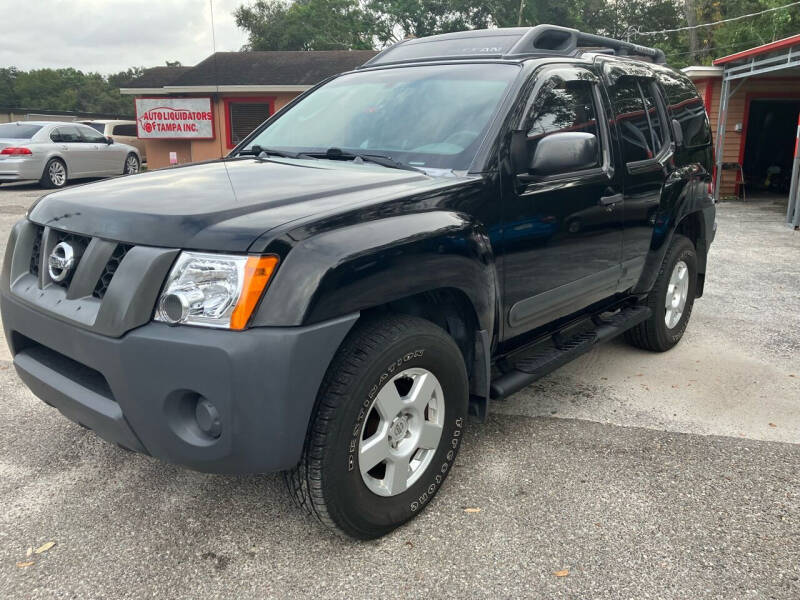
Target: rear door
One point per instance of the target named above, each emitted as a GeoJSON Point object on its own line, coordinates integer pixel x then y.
{"type": "Point", "coordinates": [562, 234]}
{"type": "Point", "coordinates": [647, 150]}
{"type": "Point", "coordinates": [71, 147]}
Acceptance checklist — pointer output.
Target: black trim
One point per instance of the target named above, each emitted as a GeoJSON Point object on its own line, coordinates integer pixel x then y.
{"type": "Point", "coordinates": [562, 299]}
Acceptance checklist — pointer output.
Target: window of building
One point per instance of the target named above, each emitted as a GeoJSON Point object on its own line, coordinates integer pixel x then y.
{"type": "Point", "coordinates": [243, 115]}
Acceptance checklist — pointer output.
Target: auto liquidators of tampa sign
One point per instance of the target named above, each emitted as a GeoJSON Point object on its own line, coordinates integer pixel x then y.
{"type": "Point", "coordinates": [162, 121]}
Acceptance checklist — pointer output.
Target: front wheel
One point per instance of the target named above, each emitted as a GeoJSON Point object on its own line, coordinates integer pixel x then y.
{"type": "Point", "coordinates": [671, 299]}
{"type": "Point", "coordinates": [388, 425]}
{"type": "Point", "coordinates": [132, 164]}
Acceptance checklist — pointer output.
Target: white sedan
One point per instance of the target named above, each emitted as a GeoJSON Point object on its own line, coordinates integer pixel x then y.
{"type": "Point", "coordinates": [53, 153]}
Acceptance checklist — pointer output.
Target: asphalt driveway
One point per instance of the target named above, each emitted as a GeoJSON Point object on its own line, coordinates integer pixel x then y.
{"type": "Point", "coordinates": [623, 475]}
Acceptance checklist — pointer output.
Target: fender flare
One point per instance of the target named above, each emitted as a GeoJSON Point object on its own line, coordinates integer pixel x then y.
{"type": "Point", "coordinates": [369, 264]}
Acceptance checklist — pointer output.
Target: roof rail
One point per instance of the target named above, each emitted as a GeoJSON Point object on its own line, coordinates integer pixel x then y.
{"type": "Point", "coordinates": [563, 40]}
{"type": "Point", "coordinates": [510, 43]}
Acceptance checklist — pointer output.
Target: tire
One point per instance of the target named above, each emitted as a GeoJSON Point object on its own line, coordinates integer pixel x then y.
{"type": "Point", "coordinates": [132, 164]}
{"type": "Point", "coordinates": [655, 334]}
{"type": "Point", "coordinates": [373, 363]}
{"type": "Point", "coordinates": [54, 175]}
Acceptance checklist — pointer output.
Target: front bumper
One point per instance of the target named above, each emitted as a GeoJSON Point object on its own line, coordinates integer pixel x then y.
{"type": "Point", "coordinates": [139, 390]}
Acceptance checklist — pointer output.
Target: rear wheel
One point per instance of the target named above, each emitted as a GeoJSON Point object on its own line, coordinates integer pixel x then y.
{"type": "Point", "coordinates": [132, 164]}
{"type": "Point", "coordinates": [388, 425]}
{"type": "Point", "coordinates": [55, 174]}
{"type": "Point", "coordinates": [671, 299]}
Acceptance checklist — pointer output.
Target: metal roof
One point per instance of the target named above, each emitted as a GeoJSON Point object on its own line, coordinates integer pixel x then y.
{"type": "Point", "coordinates": [759, 50]}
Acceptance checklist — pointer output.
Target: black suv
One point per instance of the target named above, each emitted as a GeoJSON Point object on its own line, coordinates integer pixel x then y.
{"type": "Point", "coordinates": [398, 247]}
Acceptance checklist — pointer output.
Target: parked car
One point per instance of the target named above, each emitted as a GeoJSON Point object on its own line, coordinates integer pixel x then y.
{"type": "Point", "coordinates": [392, 250]}
{"type": "Point", "coordinates": [124, 132]}
{"type": "Point", "coordinates": [55, 152]}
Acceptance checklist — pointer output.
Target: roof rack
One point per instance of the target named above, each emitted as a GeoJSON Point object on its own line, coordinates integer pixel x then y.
{"type": "Point", "coordinates": [563, 40]}
{"type": "Point", "coordinates": [509, 43]}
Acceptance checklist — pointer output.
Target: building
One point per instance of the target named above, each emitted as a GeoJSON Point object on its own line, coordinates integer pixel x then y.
{"type": "Point", "coordinates": [759, 91]}
{"type": "Point", "coordinates": [188, 114]}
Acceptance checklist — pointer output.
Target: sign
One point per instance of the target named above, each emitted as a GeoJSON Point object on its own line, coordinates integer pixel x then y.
{"type": "Point", "coordinates": [173, 158]}
{"type": "Point", "coordinates": [174, 118]}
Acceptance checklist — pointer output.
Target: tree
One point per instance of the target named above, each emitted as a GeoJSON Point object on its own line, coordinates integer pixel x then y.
{"type": "Point", "coordinates": [66, 89]}
{"type": "Point", "coordinates": [306, 25]}
{"type": "Point", "coordinates": [355, 24]}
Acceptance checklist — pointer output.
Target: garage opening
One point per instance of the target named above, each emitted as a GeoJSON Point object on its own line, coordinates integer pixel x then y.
{"type": "Point", "coordinates": [769, 145]}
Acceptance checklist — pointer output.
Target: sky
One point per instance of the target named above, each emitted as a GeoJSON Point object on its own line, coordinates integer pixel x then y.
{"type": "Point", "coordinates": [108, 36]}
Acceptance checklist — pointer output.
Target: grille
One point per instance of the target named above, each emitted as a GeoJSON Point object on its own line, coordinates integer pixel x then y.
{"type": "Point", "coordinates": [36, 255]}
{"type": "Point", "coordinates": [108, 272]}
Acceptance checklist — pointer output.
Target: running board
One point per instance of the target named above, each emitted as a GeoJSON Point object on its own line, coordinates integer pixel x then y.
{"type": "Point", "coordinates": [559, 351]}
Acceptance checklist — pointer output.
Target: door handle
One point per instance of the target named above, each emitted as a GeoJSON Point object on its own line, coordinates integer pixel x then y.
{"type": "Point", "coordinates": [609, 200]}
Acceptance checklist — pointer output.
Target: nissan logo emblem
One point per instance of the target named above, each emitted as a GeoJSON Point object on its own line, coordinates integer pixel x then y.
{"type": "Point", "coordinates": [61, 261]}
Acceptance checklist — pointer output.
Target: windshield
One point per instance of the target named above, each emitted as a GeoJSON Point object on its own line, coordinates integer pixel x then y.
{"type": "Point", "coordinates": [18, 131]}
{"type": "Point", "coordinates": [101, 127]}
{"type": "Point", "coordinates": [431, 116]}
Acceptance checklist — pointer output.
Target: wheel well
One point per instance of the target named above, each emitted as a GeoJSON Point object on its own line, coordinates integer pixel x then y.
{"type": "Point", "coordinates": [59, 159]}
{"type": "Point", "coordinates": [449, 308]}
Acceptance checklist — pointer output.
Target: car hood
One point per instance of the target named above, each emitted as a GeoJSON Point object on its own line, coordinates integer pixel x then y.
{"type": "Point", "coordinates": [222, 205]}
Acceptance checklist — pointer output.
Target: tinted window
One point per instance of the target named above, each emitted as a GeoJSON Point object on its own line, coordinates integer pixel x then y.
{"type": "Point", "coordinates": [91, 136]}
{"type": "Point", "coordinates": [65, 134]}
{"type": "Point", "coordinates": [128, 129]}
{"type": "Point", "coordinates": [101, 127]}
{"type": "Point", "coordinates": [637, 139]}
{"type": "Point", "coordinates": [18, 131]}
{"type": "Point", "coordinates": [657, 133]}
{"type": "Point", "coordinates": [245, 117]}
{"type": "Point", "coordinates": [428, 116]}
{"type": "Point", "coordinates": [687, 108]}
{"type": "Point", "coordinates": [562, 106]}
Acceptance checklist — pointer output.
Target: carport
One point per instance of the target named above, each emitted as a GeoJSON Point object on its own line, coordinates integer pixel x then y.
{"type": "Point", "coordinates": [770, 128]}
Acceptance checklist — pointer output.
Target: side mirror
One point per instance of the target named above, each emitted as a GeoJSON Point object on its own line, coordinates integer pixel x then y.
{"type": "Point", "coordinates": [677, 132]}
{"type": "Point", "coordinates": [565, 152]}
{"type": "Point", "coordinates": [109, 140]}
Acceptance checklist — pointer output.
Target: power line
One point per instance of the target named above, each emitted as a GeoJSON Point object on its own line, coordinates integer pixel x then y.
{"type": "Point", "coordinates": [634, 31]}
{"type": "Point", "coordinates": [709, 49]}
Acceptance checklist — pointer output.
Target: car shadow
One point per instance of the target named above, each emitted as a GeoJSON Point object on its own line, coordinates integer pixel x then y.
{"type": "Point", "coordinates": [27, 186]}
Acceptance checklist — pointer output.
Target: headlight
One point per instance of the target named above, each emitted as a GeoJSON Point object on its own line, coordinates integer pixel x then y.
{"type": "Point", "coordinates": [214, 290]}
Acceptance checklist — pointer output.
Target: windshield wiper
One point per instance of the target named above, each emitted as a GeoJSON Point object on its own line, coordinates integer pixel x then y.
{"type": "Point", "coordinates": [378, 159]}
{"type": "Point", "coordinates": [259, 150]}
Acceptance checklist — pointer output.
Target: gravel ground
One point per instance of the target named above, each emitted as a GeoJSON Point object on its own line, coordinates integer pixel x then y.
{"type": "Point", "coordinates": [642, 475]}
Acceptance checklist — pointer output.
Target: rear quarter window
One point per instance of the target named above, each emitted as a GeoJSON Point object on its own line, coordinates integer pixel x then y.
{"type": "Point", "coordinates": [686, 106]}
{"type": "Point", "coordinates": [127, 129]}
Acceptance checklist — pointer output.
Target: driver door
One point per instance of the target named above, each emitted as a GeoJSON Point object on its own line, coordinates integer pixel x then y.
{"type": "Point", "coordinates": [562, 229]}
{"type": "Point", "coordinates": [102, 156]}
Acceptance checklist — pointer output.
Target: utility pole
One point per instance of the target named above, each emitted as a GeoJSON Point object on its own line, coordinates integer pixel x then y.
{"type": "Point", "coordinates": [519, 14]}
{"type": "Point", "coordinates": [691, 21]}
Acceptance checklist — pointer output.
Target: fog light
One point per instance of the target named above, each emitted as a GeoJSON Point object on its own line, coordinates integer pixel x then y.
{"type": "Point", "coordinates": [207, 417]}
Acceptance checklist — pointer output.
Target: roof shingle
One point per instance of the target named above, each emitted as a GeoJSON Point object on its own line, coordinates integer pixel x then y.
{"type": "Point", "coordinates": [257, 68]}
